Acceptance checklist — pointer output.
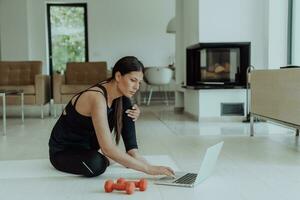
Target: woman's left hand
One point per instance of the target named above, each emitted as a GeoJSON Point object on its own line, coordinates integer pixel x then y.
{"type": "Point", "coordinates": [134, 112]}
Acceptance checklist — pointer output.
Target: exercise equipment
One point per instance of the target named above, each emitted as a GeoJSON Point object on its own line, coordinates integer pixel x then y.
{"type": "Point", "coordinates": [110, 186]}
{"type": "Point", "coordinates": [141, 184]}
{"type": "Point", "coordinates": [125, 185]}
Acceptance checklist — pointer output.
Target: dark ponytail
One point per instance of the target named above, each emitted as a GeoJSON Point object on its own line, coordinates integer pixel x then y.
{"type": "Point", "coordinates": [125, 65]}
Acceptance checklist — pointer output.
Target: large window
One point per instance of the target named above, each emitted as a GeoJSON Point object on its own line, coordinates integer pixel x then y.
{"type": "Point", "coordinates": [67, 32]}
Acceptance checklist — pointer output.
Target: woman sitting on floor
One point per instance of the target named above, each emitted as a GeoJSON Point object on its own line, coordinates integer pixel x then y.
{"type": "Point", "coordinates": [82, 142]}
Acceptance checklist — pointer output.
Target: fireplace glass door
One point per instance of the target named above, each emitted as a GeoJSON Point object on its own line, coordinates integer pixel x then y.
{"type": "Point", "coordinates": [219, 64]}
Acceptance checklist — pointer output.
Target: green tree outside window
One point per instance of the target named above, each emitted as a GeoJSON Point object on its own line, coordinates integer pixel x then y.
{"type": "Point", "coordinates": [68, 36]}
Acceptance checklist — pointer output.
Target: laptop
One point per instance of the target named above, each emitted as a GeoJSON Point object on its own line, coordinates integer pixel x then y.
{"type": "Point", "coordinates": [185, 179]}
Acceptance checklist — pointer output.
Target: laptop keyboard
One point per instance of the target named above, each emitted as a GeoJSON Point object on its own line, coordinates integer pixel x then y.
{"type": "Point", "coordinates": [189, 178]}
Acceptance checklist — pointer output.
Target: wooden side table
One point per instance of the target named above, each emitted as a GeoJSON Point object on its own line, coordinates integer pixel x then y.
{"type": "Point", "coordinates": [3, 94]}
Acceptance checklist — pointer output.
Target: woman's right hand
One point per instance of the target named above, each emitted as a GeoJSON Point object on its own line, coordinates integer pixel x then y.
{"type": "Point", "coordinates": [160, 170]}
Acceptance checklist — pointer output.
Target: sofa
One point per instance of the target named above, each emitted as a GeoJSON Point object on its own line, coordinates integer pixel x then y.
{"type": "Point", "coordinates": [77, 77]}
{"type": "Point", "coordinates": [26, 76]}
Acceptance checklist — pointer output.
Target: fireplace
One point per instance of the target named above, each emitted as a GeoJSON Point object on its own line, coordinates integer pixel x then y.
{"type": "Point", "coordinates": [217, 65]}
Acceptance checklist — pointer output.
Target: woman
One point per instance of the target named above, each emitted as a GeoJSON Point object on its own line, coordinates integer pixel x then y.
{"type": "Point", "coordinates": [81, 141]}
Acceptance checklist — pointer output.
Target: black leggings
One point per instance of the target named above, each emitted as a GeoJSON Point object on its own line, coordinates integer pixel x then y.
{"type": "Point", "coordinates": [88, 163]}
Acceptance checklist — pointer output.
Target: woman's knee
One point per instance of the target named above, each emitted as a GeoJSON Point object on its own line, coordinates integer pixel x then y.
{"type": "Point", "coordinates": [95, 165]}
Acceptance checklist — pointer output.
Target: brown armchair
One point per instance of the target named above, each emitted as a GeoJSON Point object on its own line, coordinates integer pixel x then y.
{"type": "Point", "coordinates": [26, 76]}
{"type": "Point", "coordinates": [78, 76]}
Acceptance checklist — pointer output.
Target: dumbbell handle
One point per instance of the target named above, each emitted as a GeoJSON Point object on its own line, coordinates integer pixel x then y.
{"type": "Point", "coordinates": [119, 186]}
{"type": "Point", "coordinates": [141, 184]}
{"type": "Point", "coordinates": [136, 183]}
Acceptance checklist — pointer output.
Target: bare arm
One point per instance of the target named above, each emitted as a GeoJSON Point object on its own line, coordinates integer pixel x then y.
{"type": "Point", "coordinates": [109, 148]}
{"type": "Point", "coordinates": [135, 154]}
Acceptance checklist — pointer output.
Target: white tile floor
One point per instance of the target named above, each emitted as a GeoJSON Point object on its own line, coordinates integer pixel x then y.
{"type": "Point", "coordinates": [262, 167]}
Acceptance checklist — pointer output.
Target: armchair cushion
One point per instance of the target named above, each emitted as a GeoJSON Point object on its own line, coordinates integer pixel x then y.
{"type": "Point", "coordinates": [79, 76]}
{"type": "Point", "coordinates": [73, 89]}
{"type": "Point", "coordinates": [42, 86]}
{"type": "Point", "coordinates": [26, 76]}
{"type": "Point", "coordinates": [27, 89]}
{"type": "Point", "coordinates": [19, 73]}
{"type": "Point", "coordinates": [87, 73]}
{"type": "Point", "coordinates": [58, 81]}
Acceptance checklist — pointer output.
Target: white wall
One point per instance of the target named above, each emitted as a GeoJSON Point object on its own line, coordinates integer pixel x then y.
{"type": "Point", "coordinates": [37, 37]}
{"type": "Point", "coordinates": [191, 103]}
{"type": "Point", "coordinates": [116, 28]}
{"type": "Point", "coordinates": [296, 33]}
{"type": "Point", "coordinates": [277, 33]}
{"type": "Point", "coordinates": [261, 22]}
{"type": "Point", "coordinates": [236, 21]}
{"type": "Point", "coordinates": [0, 35]}
{"type": "Point", "coordinates": [131, 27]}
{"type": "Point", "coordinates": [207, 103]}
{"type": "Point", "coordinates": [187, 33]}
{"type": "Point", "coordinates": [14, 30]}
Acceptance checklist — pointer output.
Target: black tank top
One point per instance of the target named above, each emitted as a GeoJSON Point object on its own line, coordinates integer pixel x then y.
{"type": "Point", "coordinates": [74, 130]}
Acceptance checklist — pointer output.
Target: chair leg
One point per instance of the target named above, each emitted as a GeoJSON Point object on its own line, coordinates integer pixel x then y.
{"type": "Point", "coordinates": [42, 111]}
{"type": "Point", "coordinates": [22, 107]}
{"type": "Point", "coordinates": [4, 113]}
{"type": "Point", "coordinates": [159, 91]}
{"type": "Point", "coordinates": [138, 97]}
{"type": "Point", "coordinates": [55, 110]}
{"type": "Point", "coordinates": [145, 96]}
{"type": "Point", "coordinates": [150, 95]}
{"type": "Point", "coordinates": [166, 96]}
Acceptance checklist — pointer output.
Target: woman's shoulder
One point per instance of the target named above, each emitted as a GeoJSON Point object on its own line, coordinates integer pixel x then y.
{"type": "Point", "coordinates": [96, 94]}
{"type": "Point", "coordinates": [97, 87]}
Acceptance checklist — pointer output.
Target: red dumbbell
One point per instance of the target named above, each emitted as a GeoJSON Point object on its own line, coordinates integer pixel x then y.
{"type": "Point", "coordinates": [141, 184]}
{"type": "Point", "coordinates": [129, 187]}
